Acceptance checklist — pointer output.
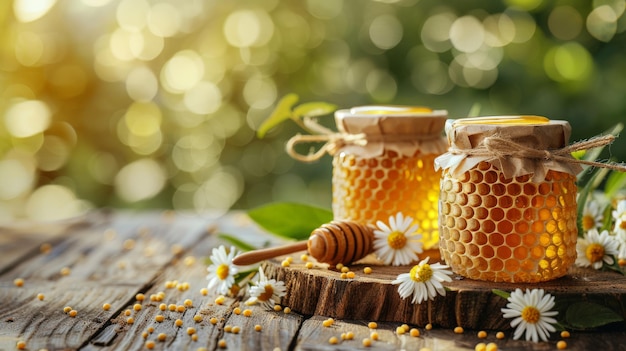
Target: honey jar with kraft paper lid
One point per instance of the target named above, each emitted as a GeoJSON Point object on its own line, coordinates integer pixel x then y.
{"type": "Point", "coordinates": [507, 207]}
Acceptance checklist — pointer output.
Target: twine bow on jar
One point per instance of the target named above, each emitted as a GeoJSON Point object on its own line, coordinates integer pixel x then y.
{"type": "Point", "coordinates": [499, 147]}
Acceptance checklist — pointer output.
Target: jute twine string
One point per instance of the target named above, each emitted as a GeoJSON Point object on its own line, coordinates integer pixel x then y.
{"type": "Point", "coordinates": [500, 147]}
{"type": "Point", "coordinates": [335, 141]}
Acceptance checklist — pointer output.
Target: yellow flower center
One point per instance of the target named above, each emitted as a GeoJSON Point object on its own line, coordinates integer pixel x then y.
{"type": "Point", "coordinates": [594, 252]}
{"type": "Point", "coordinates": [588, 222]}
{"type": "Point", "coordinates": [267, 294]}
{"type": "Point", "coordinates": [396, 240]}
{"type": "Point", "coordinates": [531, 314]}
{"type": "Point", "coordinates": [222, 271]}
{"type": "Point", "coordinates": [622, 225]}
{"type": "Point", "coordinates": [421, 273]}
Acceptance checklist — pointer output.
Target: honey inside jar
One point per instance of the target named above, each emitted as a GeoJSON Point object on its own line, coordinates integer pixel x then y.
{"type": "Point", "coordinates": [381, 179]}
{"type": "Point", "coordinates": [508, 229]}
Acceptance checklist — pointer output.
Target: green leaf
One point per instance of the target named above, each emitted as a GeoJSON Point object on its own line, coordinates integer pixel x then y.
{"type": "Point", "coordinates": [235, 241]}
{"type": "Point", "coordinates": [313, 109]}
{"type": "Point", "coordinates": [614, 183]}
{"type": "Point", "coordinates": [503, 294]}
{"type": "Point", "coordinates": [281, 113]}
{"type": "Point", "coordinates": [586, 315]}
{"type": "Point", "coordinates": [290, 220]}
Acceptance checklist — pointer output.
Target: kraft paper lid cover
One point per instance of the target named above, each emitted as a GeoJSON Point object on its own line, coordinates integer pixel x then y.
{"type": "Point", "coordinates": [407, 131]}
{"type": "Point", "coordinates": [548, 135]}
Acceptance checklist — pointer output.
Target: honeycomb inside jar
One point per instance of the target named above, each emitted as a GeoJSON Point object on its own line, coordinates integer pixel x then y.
{"type": "Point", "coordinates": [366, 190]}
{"type": "Point", "coordinates": [508, 230]}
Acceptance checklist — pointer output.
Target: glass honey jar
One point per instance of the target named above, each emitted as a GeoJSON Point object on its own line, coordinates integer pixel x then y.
{"type": "Point", "coordinates": [506, 214]}
{"type": "Point", "coordinates": [389, 166]}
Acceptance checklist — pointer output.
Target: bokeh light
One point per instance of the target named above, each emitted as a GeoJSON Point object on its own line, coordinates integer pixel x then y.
{"type": "Point", "coordinates": [155, 103]}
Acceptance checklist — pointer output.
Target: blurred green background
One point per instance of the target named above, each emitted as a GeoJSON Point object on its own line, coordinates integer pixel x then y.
{"type": "Point", "coordinates": [155, 103]}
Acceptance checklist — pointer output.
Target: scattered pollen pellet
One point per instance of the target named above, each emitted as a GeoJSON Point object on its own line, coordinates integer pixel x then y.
{"type": "Point", "coordinates": [19, 282]}
{"type": "Point", "coordinates": [159, 318]}
{"type": "Point", "coordinates": [228, 328]}
{"type": "Point", "coordinates": [197, 318]}
{"type": "Point", "coordinates": [561, 345]}
{"type": "Point", "coordinates": [339, 266]}
{"type": "Point", "coordinates": [188, 303]}
{"type": "Point", "coordinates": [345, 269]}
{"type": "Point", "coordinates": [428, 326]}
{"type": "Point", "coordinates": [351, 275]}
{"type": "Point", "coordinates": [194, 337]}
{"type": "Point", "coordinates": [414, 332]}
{"type": "Point", "coordinates": [213, 320]}
{"type": "Point", "coordinates": [287, 310]}
{"type": "Point", "coordinates": [40, 297]}
{"type": "Point", "coordinates": [278, 308]}
{"type": "Point", "coordinates": [201, 348]}
{"type": "Point", "coordinates": [492, 346]}
{"type": "Point", "coordinates": [500, 335]}
{"type": "Point", "coordinates": [328, 322]}
{"type": "Point", "coordinates": [343, 336]}
{"type": "Point", "coordinates": [482, 334]}
{"type": "Point", "coordinates": [150, 344]}
{"type": "Point", "coordinates": [161, 336]}
{"type": "Point", "coordinates": [181, 308]}
{"type": "Point", "coordinates": [349, 335]}
{"type": "Point", "coordinates": [309, 265]}
{"type": "Point", "coordinates": [169, 284]}
{"type": "Point", "coordinates": [171, 307]}
{"type": "Point", "coordinates": [150, 330]}
{"type": "Point", "coordinates": [222, 343]}
{"type": "Point", "coordinates": [304, 257]}
{"type": "Point", "coordinates": [128, 244]}
{"type": "Point", "coordinates": [72, 313]}
{"type": "Point", "coordinates": [45, 248]}
{"type": "Point", "coordinates": [220, 300]}
{"type": "Point", "coordinates": [344, 276]}
{"type": "Point", "coordinates": [374, 335]}
{"type": "Point", "coordinates": [162, 307]}
{"type": "Point", "coordinates": [137, 307]}
{"type": "Point", "coordinates": [127, 313]}
{"type": "Point", "coordinates": [65, 271]}
{"type": "Point", "coordinates": [565, 334]}
{"type": "Point", "coordinates": [191, 330]}
{"type": "Point", "coordinates": [458, 330]}
{"type": "Point", "coordinates": [21, 345]}
{"type": "Point", "coordinates": [258, 327]}
{"type": "Point", "coordinates": [333, 340]}
{"type": "Point", "coordinates": [189, 261]}
{"type": "Point", "coordinates": [204, 291]}
{"type": "Point", "coordinates": [372, 325]}
{"type": "Point", "coordinates": [66, 309]}
{"type": "Point", "coordinates": [140, 297]}
{"type": "Point", "coordinates": [367, 342]}
{"type": "Point", "coordinates": [160, 295]}
{"type": "Point", "coordinates": [285, 263]}
{"type": "Point", "coordinates": [106, 306]}
{"type": "Point", "coordinates": [367, 270]}
{"type": "Point", "coordinates": [178, 322]}
{"type": "Point", "coordinates": [481, 346]}
{"type": "Point", "coordinates": [400, 330]}
{"type": "Point", "coordinates": [406, 327]}
{"type": "Point", "coordinates": [247, 312]}
{"type": "Point", "coordinates": [237, 310]}
{"type": "Point", "coordinates": [236, 330]}
{"type": "Point", "coordinates": [129, 320]}
{"type": "Point", "coordinates": [144, 335]}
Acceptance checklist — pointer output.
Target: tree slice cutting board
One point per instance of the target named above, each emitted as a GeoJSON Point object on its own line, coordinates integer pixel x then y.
{"type": "Point", "coordinates": [468, 303]}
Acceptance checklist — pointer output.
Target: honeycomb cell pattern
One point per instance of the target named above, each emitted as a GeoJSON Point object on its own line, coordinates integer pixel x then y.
{"type": "Point", "coordinates": [508, 230]}
{"type": "Point", "coordinates": [366, 190]}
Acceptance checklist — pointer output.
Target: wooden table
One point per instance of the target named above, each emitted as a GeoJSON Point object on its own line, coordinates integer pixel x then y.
{"type": "Point", "coordinates": [110, 257]}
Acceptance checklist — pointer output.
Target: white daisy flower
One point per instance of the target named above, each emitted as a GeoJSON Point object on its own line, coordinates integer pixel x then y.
{"type": "Point", "coordinates": [592, 215]}
{"type": "Point", "coordinates": [619, 219]}
{"type": "Point", "coordinates": [399, 242]}
{"type": "Point", "coordinates": [266, 292]}
{"type": "Point", "coordinates": [424, 281]}
{"type": "Point", "coordinates": [595, 249]}
{"type": "Point", "coordinates": [532, 313]}
{"type": "Point", "coordinates": [222, 271]}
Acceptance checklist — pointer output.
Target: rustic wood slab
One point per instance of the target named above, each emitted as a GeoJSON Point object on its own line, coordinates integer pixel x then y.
{"type": "Point", "coordinates": [468, 303]}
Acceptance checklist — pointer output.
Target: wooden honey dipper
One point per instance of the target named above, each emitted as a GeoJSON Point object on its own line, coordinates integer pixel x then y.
{"type": "Point", "coordinates": [332, 243]}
